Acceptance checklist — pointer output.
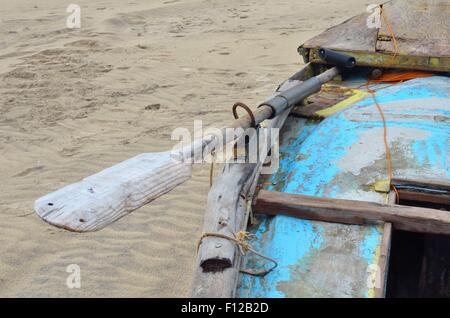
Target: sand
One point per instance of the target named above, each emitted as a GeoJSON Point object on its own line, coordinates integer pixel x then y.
{"type": "Point", "coordinates": [73, 102]}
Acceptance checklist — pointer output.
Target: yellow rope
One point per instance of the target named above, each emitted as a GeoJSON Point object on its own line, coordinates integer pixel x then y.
{"type": "Point", "coordinates": [386, 145]}
{"type": "Point", "coordinates": [391, 32]}
{"type": "Point", "coordinates": [399, 78]}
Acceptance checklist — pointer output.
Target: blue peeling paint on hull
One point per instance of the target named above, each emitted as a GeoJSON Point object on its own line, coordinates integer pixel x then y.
{"type": "Point", "coordinates": [341, 157]}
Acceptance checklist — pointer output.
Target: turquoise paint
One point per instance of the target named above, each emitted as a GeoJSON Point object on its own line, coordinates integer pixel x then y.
{"type": "Point", "coordinates": [286, 250]}
{"type": "Point", "coordinates": [320, 147]}
{"type": "Point", "coordinates": [285, 254]}
{"type": "Point", "coordinates": [437, 86]}
{"type": "Point", "coordinates": [289, 147]}
{"type": "Point", "coordinates": [324, 143]}
{"type": "Point", "coordinates": [370, 243]}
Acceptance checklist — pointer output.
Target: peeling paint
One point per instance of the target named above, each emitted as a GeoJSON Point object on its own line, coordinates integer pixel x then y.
{"type": "Point", "coordinates": [342, 157]}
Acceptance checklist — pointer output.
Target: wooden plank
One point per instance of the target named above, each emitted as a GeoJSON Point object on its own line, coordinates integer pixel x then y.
{"type": "Point", "coordinates": [352, 212]}
{"type": "Point", "coordinates": [427, 48]}
{"type": "Point", "coordinates": [424, 197]}
{"type": "Point", "coordinates": [385, 249]}
{"type": "Point", "coordinates": [441, 186]}
{"type": "Point", "coordinates": [419, 26]}
{"type": "Point", "coordinates": [352, 34]}
{"type": "Point", "coordinates": [105, 197]}
{"type": "Point", "coordinates": [324, 99]}
{"type": "Point", "coordinates": [423, 190]}
{"type": "Point", "coordinates": [417, 19]}
{"type": "Point", "coordinates": [383, 263]}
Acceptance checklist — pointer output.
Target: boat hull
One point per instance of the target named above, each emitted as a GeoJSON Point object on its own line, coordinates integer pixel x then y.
{"type": "Point", "coordinates": [343, 156]}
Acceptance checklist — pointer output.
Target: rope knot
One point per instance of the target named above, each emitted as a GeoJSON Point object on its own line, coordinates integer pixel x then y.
{"type": "Point", "coordinates": [241, 240]}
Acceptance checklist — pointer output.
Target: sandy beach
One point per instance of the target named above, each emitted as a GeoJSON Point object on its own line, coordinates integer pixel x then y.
{"type": "Point", "coordinates": [75, 101]}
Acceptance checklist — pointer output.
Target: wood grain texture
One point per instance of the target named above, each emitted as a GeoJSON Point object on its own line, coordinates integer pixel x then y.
{"type": "Point", "coordinates": [406, 218]}
{"type": "Point", "coordinates": [222, 254]}
{"type": "Point", "coordinates": [352, 34]}
{"type": "Point", "coordinates": [319, 101]}
{"type": "Point", "coordinates": [105, 197]}
{"type": "Point", "coordinates": [429, 18]}
{"type": "Point", "coordinates": [228, 198]}
{"type": "Point", "coordinates": [385, 250]}
{"type": "Point", "coordinates": [216, 253]}
{"type": "Point", "coordinates": [423, 190]}
{"type": "Point", "coordinates": [420, 27]}
{"type": "Point", "coordinates": [412, 47]}
{"type": "Point", "coordinates": [383, 262]}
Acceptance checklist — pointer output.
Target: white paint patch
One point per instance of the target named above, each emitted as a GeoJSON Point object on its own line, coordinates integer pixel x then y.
{"type": "Point", "coordinates": [370, 147]}
{"type": "Point", "coordinates": [402, 110]}
{"type": "Point", "coordinates": [360, 195]}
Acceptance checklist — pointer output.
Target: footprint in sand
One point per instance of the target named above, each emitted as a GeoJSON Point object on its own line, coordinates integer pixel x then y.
{"type": "Point", "coordinates": [85, 44]}
{"type": "Point", "coordinates": [189, 97]}
{"type": "Point", "coordinates": [153, 107]}
{"type": "Point", "coordinates": [28, 171]}
{"type": "Point", "coordinates": [19, 73]}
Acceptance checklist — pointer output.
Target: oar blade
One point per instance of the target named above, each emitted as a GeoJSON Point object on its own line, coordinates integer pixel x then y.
{"type": "Point", "coordinates": [105, 197]}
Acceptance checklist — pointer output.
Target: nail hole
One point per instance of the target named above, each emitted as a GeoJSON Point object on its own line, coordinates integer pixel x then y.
{"type": "Point", "coordinates": [82, 220]}
{"type": "Point", "coordinates": [51, 204]}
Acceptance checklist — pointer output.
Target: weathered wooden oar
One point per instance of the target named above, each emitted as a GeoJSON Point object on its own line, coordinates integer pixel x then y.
{"type": "Point", "coordinates": [105, 197]}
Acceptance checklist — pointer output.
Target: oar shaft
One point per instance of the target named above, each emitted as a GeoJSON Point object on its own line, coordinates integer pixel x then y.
{"type": "Point", "coordinates": [269, 109]}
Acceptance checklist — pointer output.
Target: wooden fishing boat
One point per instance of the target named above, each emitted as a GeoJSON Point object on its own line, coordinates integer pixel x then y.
{"type": "Point", "coordinates": [357, 205]}
{"type": "Point", "coordinates": [339, 217]}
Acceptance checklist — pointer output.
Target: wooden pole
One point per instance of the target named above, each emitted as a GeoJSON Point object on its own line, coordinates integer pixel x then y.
{"type": "Point", "coordinates": [405, 218]}
{"type": "Point", "coordinates": [385, 250]}
{"type": "Point", "coordinates": [218, 261]}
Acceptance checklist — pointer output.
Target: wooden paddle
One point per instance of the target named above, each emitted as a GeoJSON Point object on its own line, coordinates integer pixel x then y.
{"type": "Point", "coordinates": [105, 197]}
